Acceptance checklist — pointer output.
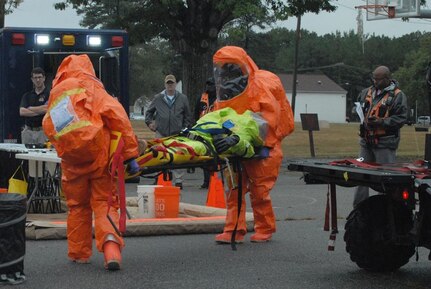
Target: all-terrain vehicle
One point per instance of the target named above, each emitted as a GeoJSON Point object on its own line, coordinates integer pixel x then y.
{"type": "Point", "coordinates": [382, 232]}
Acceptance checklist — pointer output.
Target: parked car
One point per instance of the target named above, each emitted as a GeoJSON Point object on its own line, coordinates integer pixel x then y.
{"type": "Point", "coordinates": [423, 123]}
{"type": "Point", "coordinates": [424, 120]}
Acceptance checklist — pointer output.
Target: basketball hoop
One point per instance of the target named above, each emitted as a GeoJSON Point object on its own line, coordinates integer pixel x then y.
{"type": "Point", "coordinates": [384, 10]}
{"type": "Point", "coordinates": [389, 9]}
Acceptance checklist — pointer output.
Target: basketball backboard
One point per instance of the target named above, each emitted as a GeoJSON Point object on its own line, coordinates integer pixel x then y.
{"type": "Point", "coordinates": [384, 9]}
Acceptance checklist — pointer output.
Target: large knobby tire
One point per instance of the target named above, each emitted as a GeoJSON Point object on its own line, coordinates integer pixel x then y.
{"type": "Point", "coordinates": [370, 240]}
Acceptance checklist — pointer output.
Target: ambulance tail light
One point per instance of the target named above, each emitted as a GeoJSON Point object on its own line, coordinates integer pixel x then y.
{"type": "Point", "coordinates": [117, 41]}
{"type": "Point", "coordinates": [405, 195]}
{"type": "Point", "coordinates": [18, 39]}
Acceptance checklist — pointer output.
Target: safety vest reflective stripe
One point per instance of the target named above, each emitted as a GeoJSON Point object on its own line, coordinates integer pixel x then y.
{"type": "Point", "coordinates": [374, 111]}
{"type": "Point", "coordinates": [73, 126]}
{"type": "Point", "coordinates": [65, 94]}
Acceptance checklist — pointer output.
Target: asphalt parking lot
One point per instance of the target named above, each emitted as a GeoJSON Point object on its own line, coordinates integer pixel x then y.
{"type": "Point", "coordinates": [296, 258]}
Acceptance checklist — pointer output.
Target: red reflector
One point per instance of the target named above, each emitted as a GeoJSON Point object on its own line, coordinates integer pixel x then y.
{"type": "Point", "coordinates": [18, 38]}
{"type": "Point", "coordinates": [405, 195]}
{"type": "Point", "coordinates": [117, 41]}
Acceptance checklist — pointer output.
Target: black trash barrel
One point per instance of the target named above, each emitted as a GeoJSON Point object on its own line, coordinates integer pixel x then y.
{"type": "Point", "coordinates": [13, 213]}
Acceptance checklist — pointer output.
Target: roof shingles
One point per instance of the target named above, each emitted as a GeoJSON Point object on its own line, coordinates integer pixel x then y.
{"type": "Point", "coordinates": [310, 83]}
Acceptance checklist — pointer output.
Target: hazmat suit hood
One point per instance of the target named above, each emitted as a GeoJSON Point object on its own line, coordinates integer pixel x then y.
{"type": "Point", "coordinates": [233, 70]}
{"type": "Point", "coordinates": [236, 55]}
{"type": "Point", "coordinates": [74, 66]}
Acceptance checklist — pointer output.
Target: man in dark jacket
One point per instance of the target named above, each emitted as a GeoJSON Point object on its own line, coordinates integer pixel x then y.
{"type": "Point", "coordinates": [168, 114]}
{"type": "Point", "coordinates": [384, 109]}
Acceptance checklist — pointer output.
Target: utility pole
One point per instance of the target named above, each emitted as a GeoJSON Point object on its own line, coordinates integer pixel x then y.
{"type": "Point", "coordinates": [295, 65]}
{"type": "Point", "coordinates": [360, 25]}
{"type": "Point", "coordinates": [2, 12]}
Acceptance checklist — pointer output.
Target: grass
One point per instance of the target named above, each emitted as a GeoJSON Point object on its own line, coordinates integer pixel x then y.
{"type": "Point", "coordinates": [331, 141]}
{"type": "Point", "coordinates": [342, 141]}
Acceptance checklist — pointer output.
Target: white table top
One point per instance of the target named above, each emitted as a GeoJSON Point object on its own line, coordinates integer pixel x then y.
{"type": "Point", "coordinates": [18, 148]}
{"type": "Point", "coordinates": [40, 155]}
{"type": "Point", "coordinates": [13, 147]}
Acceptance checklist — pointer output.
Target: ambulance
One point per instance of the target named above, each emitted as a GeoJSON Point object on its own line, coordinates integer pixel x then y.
{"type": "Point", "coordinates": [22, 49]}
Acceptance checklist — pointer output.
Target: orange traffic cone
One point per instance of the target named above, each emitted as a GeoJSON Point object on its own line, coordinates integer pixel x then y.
{"type": "Point", "coordinates": [215, 196]}
{"type": "Point", "coordinates": [162, 182]}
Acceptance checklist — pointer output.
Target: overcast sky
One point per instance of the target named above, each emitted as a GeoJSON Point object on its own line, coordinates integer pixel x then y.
{"type": "Point", "coordinates": [41, 13]}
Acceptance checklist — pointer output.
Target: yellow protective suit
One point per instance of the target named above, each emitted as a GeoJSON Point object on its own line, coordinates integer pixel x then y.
{"type": "Point", "coordinates": [264, 94]}
{"type": "Point", "coordinates": [79, 121]}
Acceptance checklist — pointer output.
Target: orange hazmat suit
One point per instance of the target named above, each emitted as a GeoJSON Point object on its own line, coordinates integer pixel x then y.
{"type": "Point", "coordinates": [79, 121]}
{"type": "Point", "coordinates": [264, 94]}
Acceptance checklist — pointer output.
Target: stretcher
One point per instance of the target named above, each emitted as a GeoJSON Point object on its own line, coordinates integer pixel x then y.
{"type": "Point", "coordinates": [161, 158]}
{"type": "Point", "coordinates": [192, 148]}
{"type": "Point", "coordinates": [158, 159]}
{"type": "Point", "coordinates": [391, 223]}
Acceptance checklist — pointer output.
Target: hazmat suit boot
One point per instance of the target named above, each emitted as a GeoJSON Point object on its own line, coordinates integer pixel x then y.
{"type": "Point", "coordinates": [112, 253]}
{"type": "Point", "coordinates": [260, 238]}
{"type": "Point", "coordinates": [226, 237]}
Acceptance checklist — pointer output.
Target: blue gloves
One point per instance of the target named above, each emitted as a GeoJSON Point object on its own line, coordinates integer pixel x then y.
{"type": "Point", "coordinates": [263, 153]}
{"type": "Point", "coordinates": [133, 167]}
{"type": "Point", "coordinates": [222, 144]}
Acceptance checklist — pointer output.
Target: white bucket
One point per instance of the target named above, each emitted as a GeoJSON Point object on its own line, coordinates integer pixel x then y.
{"type": "Point", "coordinates": [146, 201]}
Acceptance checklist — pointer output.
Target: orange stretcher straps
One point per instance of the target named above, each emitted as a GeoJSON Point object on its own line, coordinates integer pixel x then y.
{"type": "Point", "coordinates": [418, 167]}
{"type": "Point", "coordinates": [117, 171]}
{"type": "Point", "coordinates": [178, 144]}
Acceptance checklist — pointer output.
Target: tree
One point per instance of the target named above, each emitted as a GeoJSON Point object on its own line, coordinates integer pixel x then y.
{"type": "Point", "coordinates": [412, 76]}
{"type": "Point", "coordinates": [6, 7]}
{"type": "Point", "coordinates": [191, 26]}
{"type": "Point", "coordinates": [242, 27]}
{"type": "Point", "coordinates": [147, 62]}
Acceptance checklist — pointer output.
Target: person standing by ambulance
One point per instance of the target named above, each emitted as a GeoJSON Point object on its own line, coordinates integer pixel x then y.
{"type": "Point", "coordinates": [33, 107]}
{"type": "Point", "coordinates": [168, 114]}
{"type": "Point", "coordinates": [384, 107]}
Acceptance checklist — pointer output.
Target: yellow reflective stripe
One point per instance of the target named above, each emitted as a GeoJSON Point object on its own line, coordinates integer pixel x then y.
{"type": "Point", "coordinates": [75, 125]}
{"type": "Point", "coordinates": [65, 94]}
{"type": "Point", "coordinates": [69, 128]}
{"type": "Point", "coordinates": [114, 142]}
